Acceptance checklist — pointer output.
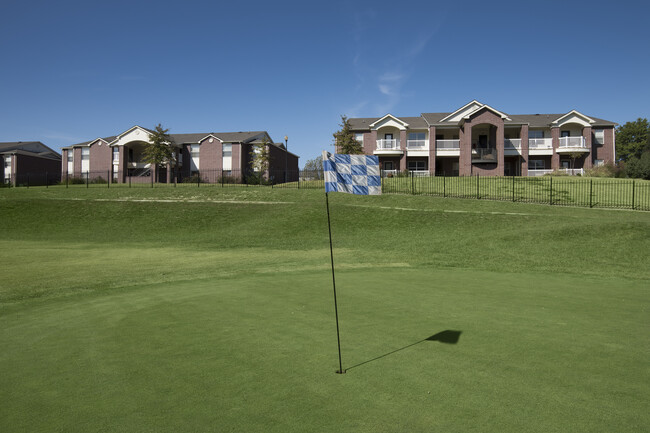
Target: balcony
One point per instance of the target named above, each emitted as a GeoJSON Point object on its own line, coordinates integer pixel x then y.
{"type": "Point", "coordinates": [540, 143]}
{"type": "Point", "coordinates": [484, 155]}
{"type": "Point", "coordinates": [447, 144]}
{"type": "Point", "coordinates": [448, 147]}
{"type": "Point", "coordinates": [512, 143]}
{"type": "Point", "coordinates": [572, 144]}
{"type": "Point", "coordinates": [543, 172]}
{"type": "Point", "coordinates": [417, 144]}
{"type": "Point", "coordinates": [388, 147]}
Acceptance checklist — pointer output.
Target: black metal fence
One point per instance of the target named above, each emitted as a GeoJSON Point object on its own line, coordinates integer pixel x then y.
{"type": "Point", "coordinates": [556, 190]}
{"type": "Point", "coordinates": [552, 190]}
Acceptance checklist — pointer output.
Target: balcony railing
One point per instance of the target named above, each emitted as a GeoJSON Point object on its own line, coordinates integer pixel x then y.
{"type": "Point", "coordinates": [569, 171]}
{"type": "Point", "coordinates": [540, 143]}
{"type": "Point", "coordinates": [448, 144]}
{"type": "Point", "coordinates": [416, 144]}
{"type": "Point", "coordinates": [512, 143]}
{"type": "Point", "coordinates": [388, 144]}
{"type": "Point", "coordinates": [489, 154]}
{"type": "Point", "coordinates": [572, 142]}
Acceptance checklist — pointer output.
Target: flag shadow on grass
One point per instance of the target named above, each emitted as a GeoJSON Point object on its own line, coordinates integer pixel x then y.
{"type": "Point", "coordinates": [448, 337]}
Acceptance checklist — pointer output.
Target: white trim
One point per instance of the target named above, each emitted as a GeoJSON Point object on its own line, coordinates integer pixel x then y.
{"type": "Point", "coordinates": [460, 109]}
{"type": "Point", "coordinates": [389, 116]}
{"type": "Point", "coordinates": [479, 107]}
{"type": "Point", "coordinates": [207, 136]}
{"type": "Point", "coordinates": [587, 120]}
{"type": "Point", "coordinates": [119, 137]}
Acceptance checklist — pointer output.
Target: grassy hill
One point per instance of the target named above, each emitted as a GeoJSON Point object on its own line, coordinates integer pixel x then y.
{"type": "Point", "coordinates": [211, 310]}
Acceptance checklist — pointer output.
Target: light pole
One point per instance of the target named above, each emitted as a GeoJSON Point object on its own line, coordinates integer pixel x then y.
{"type": "Point", "coordinates": [286, 151]}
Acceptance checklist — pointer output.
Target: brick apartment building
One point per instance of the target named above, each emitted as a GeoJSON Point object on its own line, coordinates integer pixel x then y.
{"type": "Point", "coordinates": [29, 162]}
{"type": "Point", "coordinates": [478, 139]}
{"type": "Point", "coordinates": [212, 154]}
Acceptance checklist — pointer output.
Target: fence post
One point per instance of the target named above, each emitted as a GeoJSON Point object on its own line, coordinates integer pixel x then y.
{"type": "Point", "coordinates": [591, 188]}
{"type": "Point", "coordinates": [551, 192]}
{"type": "Point", "coordinates": [412, 189]}
{"type": "Point", "coordinates": [633, 194]}
{"type": "Point", "coordinates": [198, 179]}
{"type": "Point", "coordinates": [108, 178]}
{"type": "Point", "coordinates": [27, 180]}
{"type": "Point", "coordinates": [478, 195]}
{"type": "Point", "coordinates": [444, 185]}
{"type": "Point", "coordinates": [46, 185]}
{"type": "Point", "coordinates": [87, 178]}
{"type": "Point", "coordinates": [513, 189]}
{"type": "Point", "coordinates": [130, 181]}
{"type": "Point", "coordinates": [66, 179]}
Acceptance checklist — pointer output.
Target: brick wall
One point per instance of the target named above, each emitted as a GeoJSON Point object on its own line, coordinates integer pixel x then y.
{"type": "Point", "coordinates": [100, 158]}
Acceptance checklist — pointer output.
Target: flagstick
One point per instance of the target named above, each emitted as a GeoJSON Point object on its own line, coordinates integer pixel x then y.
{"type": "Point", "coordinates": [336, 310]}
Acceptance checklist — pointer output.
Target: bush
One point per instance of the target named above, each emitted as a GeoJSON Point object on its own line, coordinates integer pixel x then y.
{"type": "Point", "coordinates": [98, 180]}
{"type": "Point", "coordinates": [193, 179]}
{"type": "Point", "coordinates": [228, 179]}
{"type": "Point", "coordinates": [605, 170]}
{"type": "Point", "coordinates": [72, 180]}
{"type": "Point", "coordinates": [557, 172]}
{"type": "Point", "coordinates": [638, 168]}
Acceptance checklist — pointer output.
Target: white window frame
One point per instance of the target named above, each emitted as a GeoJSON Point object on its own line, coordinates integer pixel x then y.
{"type": "Point", "coordinates": [359, 137]}
{"type": "Point", "coordinates": [536, 133]}
{"type": "Point", "coordinates": [419, 165]}
{"type": "Point", "coordinates": [417, 136]}
{"type": "Point", "coordinates": [598, 132]}
{"type": "Point", "coordinates": [534, 164]}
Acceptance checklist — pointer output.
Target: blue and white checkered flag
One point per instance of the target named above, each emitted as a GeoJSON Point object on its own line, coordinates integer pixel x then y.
{"type": "Point", "coordinates": [354, 174]}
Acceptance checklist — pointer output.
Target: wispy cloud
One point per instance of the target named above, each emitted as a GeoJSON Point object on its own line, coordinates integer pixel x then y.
{"type": "Point", "coordinates": [381, 80]}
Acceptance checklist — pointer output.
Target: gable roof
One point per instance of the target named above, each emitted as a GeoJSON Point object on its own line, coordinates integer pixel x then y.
{"type": "Point", "coordinates": [34, 148]}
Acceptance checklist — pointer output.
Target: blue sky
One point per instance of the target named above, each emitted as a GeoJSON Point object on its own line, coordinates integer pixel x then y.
{"type": "Point", "coordinates": [74, 71]}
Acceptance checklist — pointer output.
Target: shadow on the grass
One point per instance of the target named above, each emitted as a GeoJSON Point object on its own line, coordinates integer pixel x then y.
{"type": "Point", "coordinates": [448, 337]}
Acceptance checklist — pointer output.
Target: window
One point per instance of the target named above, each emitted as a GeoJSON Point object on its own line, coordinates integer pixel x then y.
{"type": "Point", "coordinates": [85, 159]}
{"type": "Point", "coordinates": [599, 162]}
{"type": "Point", "coordinates": [599, 136]}
{"type": "Point", "coordinates": [70, 155]}
{"type": "Point", "coordinates": [536, 164]}
{"type": "Point", "coordinates": [416, 135]}
{"type": "Point", "coordinates": [227, 150]}
{"type": "Point", "coordinates": [534, 133]}
{"type": "Point", "coordinates": [388, 165]}
{"type": "Point", "coordinates": [116, 154]}
{"type": "Point", "coordinates": [359, 137]}
{"type": "Point", "coordinates": [194, 150]}
{"type": "Point", "coordinates": [416, 165]}
{"type": "Point", "coordinates": [565, 133]}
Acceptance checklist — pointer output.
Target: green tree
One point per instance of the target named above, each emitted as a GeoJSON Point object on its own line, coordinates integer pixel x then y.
{"type": "Point", "coordinates": [573, 156]}
{"type": "Point", "coordinates": [260, 156]}
{"type": "Point", "coordinates": [160, 147]}
{"type": "Point", "coordinates": [344, 138]}
{"type": "Point", "coordinates": [632, 139]}
{"type": "Point", "coordinates": [314, 168]}
{"type": "Point", "coordinates": [639, 167]}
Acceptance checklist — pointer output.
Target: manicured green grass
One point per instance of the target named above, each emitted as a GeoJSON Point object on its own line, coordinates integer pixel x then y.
{"type": "Point", "coordinates": [562, 190]}
{"type": "Point", "coordinates": [211, 309]}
